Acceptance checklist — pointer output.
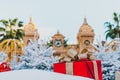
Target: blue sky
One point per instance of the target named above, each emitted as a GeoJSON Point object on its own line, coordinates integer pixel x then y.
{"type": "Point", "coordinates": [64, 15]}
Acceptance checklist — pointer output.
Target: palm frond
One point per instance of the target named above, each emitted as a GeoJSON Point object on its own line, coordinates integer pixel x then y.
{"type": "Point", "coordinates": [13, 22]}
{"type": "Point", "coordinates": [20, 23]}
{"type": "Point", "coordinates": [4, 22]}
{"type": "Point", "coordinates": [113, 30]}
{"type": "Point", "coordinates": [107, 31]}
{"type": "Point", "coordinates": [116, 19]}
{"type": "Point", "coordinates": [2, 29]}
{"type": "Point", "coordinates": [115, 14]}
{"type": "Point", "coordinates": [107, 35]}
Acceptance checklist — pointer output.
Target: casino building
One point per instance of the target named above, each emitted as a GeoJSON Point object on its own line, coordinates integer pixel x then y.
{"type": "Point", "coordinates": [85, 38]}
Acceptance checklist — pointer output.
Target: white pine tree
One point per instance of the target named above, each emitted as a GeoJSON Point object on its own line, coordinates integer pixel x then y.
{"type": "Point", "coordinates": [35, 57]}
{"type": "Point", "coordinates": [110, 61]}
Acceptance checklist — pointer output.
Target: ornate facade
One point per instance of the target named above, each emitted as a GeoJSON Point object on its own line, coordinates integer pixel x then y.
{"type": "Point", "coordinates": [58, 43]}
{"type": "Point", "coordinates": [85, 38]}
{"type": "Point", "coordinates": [31, 32]}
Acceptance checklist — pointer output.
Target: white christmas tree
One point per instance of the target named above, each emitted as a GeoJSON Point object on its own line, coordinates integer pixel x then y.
{"type": "Point", "coordinates": [110, 64]}
{"type": "Point", "coordinates": [36, 56]}
{"type": "Point", "coordinates": [110, 61]}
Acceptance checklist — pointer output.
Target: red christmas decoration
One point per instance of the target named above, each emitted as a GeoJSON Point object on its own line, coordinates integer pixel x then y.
{"type": "Point", "coordinates": [80, 68]}
{"type": "Point", "coordinates": [4, 67]}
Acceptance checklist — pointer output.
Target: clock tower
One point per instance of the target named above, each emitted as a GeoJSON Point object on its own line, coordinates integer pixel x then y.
{"type": "Point", "coordinates": [85, 36]}
{"type": "Point", "coordinates": [58, 42]}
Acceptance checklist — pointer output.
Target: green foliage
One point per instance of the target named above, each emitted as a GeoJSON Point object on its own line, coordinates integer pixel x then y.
{"type": "Point", "coordinates": [50, 43]}
{"type": "Point", "coordinates": [12, 29]}
{"type": "Point", "coordinates": [20, 23]}
{"type": "Point", "coordinates": [65, 43]}
{"type": "Point", "coordinates": [5, 22]}
{"type": "Point", "coordinates": [113, 29]}
{"type": "Point", "coordinates": [2, 29]}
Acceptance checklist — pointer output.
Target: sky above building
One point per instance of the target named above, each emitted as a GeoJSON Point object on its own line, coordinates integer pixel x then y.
{"type": "Point", "coordinates": [64, 15]}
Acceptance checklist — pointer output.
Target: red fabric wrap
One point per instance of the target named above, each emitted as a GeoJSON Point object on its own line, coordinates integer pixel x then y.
{"type": "Point", "coordinates": [81, 68]}
{"type": "Point", "coordinates": [4, 67]}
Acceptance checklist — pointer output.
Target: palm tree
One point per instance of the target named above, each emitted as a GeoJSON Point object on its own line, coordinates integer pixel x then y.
{"type": "Point", "coordinates": [12, 29]}
{"type": "Point", "coordinates": [113, 30]}
{"type": "Point", "coordinates": [11, 47]}
{"type": "Point", "coordinates": [12, 33]}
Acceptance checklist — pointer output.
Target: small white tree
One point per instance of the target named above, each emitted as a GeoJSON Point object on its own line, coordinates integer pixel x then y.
{"type": "Point", "coordinates": [36, 57]}
{"type": "Point", "coordinates": [110, 59]}
{"type": "Point", "coordinates": [110, 64]}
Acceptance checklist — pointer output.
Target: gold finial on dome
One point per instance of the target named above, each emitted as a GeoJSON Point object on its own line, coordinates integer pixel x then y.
{"type": "Point", "coordinates": [85, 21]}
{"type": "Point", "coordinates": [30, 25]}
{"type": "Point", "coordinates": [58, 32]}
{"type": "Point", "coordinates": [30, 20]}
